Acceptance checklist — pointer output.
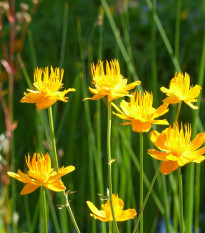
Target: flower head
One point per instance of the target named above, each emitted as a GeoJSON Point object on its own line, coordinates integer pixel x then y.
{"type": "Point", "coordinates": [140, 113]}
{"type": "Point", "coordinates": [112, 84]}
{"type": "Point", "coordinates": [41, 174]}
{"type": "Point", "coordinates": [180, 90]}
{"type": "Point", "coordinates": [106, 214]}
{"type": "Point", "coordinates": [176, 148]}
{"type": "Point", "coordinates": [47, 88]}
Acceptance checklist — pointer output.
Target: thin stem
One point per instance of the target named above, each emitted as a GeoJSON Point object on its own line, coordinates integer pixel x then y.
{"type": "Point", "coordinates": [180, 199]}
{"type": "Point", "coordinates": [141, 181]}
{"type": "Point", "coordinates": [44, 210]}
{"type": "Point", "coordinates": [178, 111]}
{"type": "Point", "coordinates": [146, 198]}
{"type": "Point", "coordinates": [56, 165]}
{"type": "Point", "coordinates": [110, 164]}
{"type": "Point", "coordinates": [50, 115]}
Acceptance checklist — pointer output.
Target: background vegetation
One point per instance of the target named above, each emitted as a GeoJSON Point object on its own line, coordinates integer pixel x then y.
{"type": "Point", "coordinates": [151, 44]}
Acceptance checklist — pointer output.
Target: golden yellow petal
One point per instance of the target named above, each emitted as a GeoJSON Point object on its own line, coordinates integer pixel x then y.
{"type": "Point", "coordinates": [191, 105]}
{"type": "Point", "coordinates": [172, 100]}
{"type": "Point", "coordinates": [95, 211]}
{"type": "Point", "coordinates": [197, 142]}
{"type": "Point", "coordinates": [29, 188]}
{"type": "Point", "coordinates": [56, 186]}
{"type": "Point", "coordinates": [45, 103]}
{"type": "Point", "coordinates": [157, 154]}
{"type": "Point", "coordinates": [126, 215]}
{"type": "Point", "coordinates": [61, 172]}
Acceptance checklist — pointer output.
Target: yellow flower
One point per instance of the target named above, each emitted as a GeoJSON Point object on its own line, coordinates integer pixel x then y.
{"type": "Point", "coordinates": [180, 90]}
{"type": "Point", "coordinates": [140, 113]}
{"type": "Point", "coordinates": [41, 174]}
{"type": "Point", "coordinates": [176, 148]}
{"type": "Point", "coordinates": [112, 84]}
{"type": "Point", "coordinates": [106, 214]}
{"type": "Point", "coordinates": [47, 89]}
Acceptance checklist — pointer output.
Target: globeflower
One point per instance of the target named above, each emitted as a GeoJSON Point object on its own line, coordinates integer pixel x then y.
{"type": "Point", "coordinates": [180, 90]}
{"type": "Point", "coordinates": [106, 214]}
{"type": "Point", "coordinates": [46, 88]}
{"type": "Point", "coordinates": [176, 148]}
{"type": "Point", "coordinates": [139, 112]}
{"type": "Point", "coordinates": [41, 174]}
{"type": "Point", "coordinates": [112, 84]}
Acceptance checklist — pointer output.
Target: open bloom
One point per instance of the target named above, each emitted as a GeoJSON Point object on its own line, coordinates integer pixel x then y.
{"type": "Point", "coordinates": [41, 174]}
{"type": "Point", "coordinates": [106, 214]}
{"type": "Point", "coordinates": [180, 90]}
{"type": "Point", "coordinates": [140, 113]}
{"type": "Point", "coordinates": [176, 148]}
{"type": "Point", "coordinates": [112, 84]}
{"type": "Point", "coordinates": [47, 88]}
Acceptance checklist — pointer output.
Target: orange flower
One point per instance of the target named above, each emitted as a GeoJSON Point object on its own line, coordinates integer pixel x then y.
{"type": "Point", "coordinates": [106, 214]}
{"type": "Point", "coordinates": [41, 174]}
{"type": "Point", "coordinates": [112, 84]}
{"type": "Point", "coordinates": [140, 113]}
{"type": "Point", "coordinates": [47, 89]}
{"type": "Point", "coordinates": [176, 148]}
{"type": "Point", "coordinates": [179, 90]}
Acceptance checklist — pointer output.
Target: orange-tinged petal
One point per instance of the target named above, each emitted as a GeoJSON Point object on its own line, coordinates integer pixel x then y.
{"type": "Point", "coordinates": [45, 103]}
{"type": "Point", "coordinates": [126, 215]}
{"type": "Point", "coordinates": [168, 166]}
{"type": "Point", "coordinates": [29, 188]}
{"type": "Point", "coordinates": [197, 142]}
{"type": "Point", "coordinates": [61, 172]}
{"type": "Point", "coordinates": [138, 126]}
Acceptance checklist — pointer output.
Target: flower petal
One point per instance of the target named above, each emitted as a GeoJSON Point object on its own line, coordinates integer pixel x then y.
{"type": "Point", "coordinates": [62, 171]}
{"type": "Point", "coordinates": [126, 215]}
{"type": "Point", "coordinates": [168, 166]}
{"type": "Point", "coordinates": [197, 141]}
{"type": "Point", "coordinates": [56, 186]}
{"type": "Point", "coordinates": [97, 214]}
{"type": "Point", "coordinates": [29, 188]}
{"type": "Point", "coordinates": [157, 154]}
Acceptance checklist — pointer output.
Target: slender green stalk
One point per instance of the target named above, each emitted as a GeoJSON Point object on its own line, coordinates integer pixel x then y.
{"type": "Point", "coordinates": [177, 29]}
{"type": "Point", "coordinates": [43, 191]}
{"type": "Point", "coordinates": [110, 163]}
{"type": "Point", "coordinates": [50, 115]}
{"type": "Point", "coordinates": [56, 165]}
{"type": "Point", "coordinates": [141, 181]}
{"type": "Point", "coordinates": [146, 198]}
{"type": "Point", "coordinates": [178, 111]}
{"type": "Point", "coordinates": [180, 200]}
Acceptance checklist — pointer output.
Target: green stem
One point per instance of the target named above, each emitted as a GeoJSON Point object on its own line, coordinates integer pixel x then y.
{"type": "Point", "coordinates": [180, 199]}
{"type": "Point", "coordinates": [178, 111]}
{"type": "Point", "coordinates": [146, 198]}
{"type": "Point", "coordinates": [56, 165]}
{"type": "Point", "coordinates": [44, 210]}
{"type": "Point", "coordinates": [50, 115]}
{"type": "Point", "coordinates": [110, 163]}
{"type": "Point", "coordinates": [141, 181]}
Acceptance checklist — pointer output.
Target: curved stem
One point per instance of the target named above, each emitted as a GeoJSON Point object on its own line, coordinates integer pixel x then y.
{"type": "Point", "coordinates": [57, 168]}
{"type": "Point", "coordinates": [141, 181]}
{"type": "Point", "coordinates": [110, 164]}
{"type": "Point", "coordinates": [146, 198]}
{"type": "Point", "coordinates": [44, 209]}
{"type": "Point", "coordinates": [180, 200]}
